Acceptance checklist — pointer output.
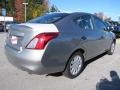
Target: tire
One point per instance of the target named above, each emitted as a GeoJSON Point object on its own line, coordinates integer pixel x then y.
{"type": "Point", "coordinates": [74, 66]}
{"type": "Point", "coordinates": [112, 48]}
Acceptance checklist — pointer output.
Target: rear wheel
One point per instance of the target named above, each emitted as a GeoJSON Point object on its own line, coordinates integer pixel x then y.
{"type": "Point", "coordinates": [74, 66]}
{"type": "Point", "coordinates": [112, 49]}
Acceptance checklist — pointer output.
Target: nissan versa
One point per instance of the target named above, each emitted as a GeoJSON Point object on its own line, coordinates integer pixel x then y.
{"type": "Point", "coordinates": [58, 42]}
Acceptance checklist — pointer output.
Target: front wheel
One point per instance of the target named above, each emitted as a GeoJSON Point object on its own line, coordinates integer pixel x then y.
{"type": "Point", "coordinates": [74, 66]}
{"type": "Point", "coordinates": [112, 49]}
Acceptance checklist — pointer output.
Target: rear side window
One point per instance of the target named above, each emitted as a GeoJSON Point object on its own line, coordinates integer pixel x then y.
{"type": "Point", "coordinates": [84, 22]}
{"type": "Point", "coordinates": [49, 18]}
{"type": "Point", "coordinates": [99, 24]}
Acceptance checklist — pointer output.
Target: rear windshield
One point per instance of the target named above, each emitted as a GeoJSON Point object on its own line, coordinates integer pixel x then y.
{"type": "Point", "coordinates": [49, 18]}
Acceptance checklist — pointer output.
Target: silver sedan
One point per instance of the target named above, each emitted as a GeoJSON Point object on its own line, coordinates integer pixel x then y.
{"type": "Point", "coordinates": [58, 42]}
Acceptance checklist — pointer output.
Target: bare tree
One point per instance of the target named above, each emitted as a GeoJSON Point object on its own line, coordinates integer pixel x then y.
{"type": "Point", "coordinates": [103, 16]}
{"type": "Point", "coordinates": [45, 2]}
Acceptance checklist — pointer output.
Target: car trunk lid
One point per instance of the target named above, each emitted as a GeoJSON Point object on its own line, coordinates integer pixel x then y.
{"type": "Point", "coordinates": [20, 35]}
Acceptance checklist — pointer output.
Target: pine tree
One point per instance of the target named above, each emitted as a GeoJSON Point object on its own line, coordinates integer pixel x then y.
{"type": "Point", "coordinates": [53, 8]}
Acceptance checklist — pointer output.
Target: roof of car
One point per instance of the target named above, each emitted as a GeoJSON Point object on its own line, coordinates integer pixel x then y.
{"type": "Point", "coordinates": [70, 13]}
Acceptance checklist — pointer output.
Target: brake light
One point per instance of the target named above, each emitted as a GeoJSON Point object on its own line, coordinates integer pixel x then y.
{"type": "Point", "coordinates": [40, 41]}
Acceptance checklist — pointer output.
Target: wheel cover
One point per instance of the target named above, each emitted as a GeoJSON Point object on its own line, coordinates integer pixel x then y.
{"type": "Point", "coordinates": [75, 65]}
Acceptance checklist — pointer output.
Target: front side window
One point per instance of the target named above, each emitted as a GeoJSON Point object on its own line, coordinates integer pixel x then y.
{"type": "Point", "coordinates": [84, 22]}
{"type": "Point", "coordinates": [99, 24]}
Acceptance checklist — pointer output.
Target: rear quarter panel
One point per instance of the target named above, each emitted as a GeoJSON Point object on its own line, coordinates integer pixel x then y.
{"type": "Point", "coordinates": [60, 49]}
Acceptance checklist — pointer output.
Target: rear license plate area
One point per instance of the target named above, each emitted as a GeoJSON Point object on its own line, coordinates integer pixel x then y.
{"type": "Point", "coordinates": [14, 40]}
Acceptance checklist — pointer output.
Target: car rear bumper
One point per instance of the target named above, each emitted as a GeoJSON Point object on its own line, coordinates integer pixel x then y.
{"type": "Point", "coordinates": [28, 60]}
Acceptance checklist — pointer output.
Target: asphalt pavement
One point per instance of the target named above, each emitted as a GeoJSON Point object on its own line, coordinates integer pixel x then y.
{"type": "Point", "coordinates": [101, 73]}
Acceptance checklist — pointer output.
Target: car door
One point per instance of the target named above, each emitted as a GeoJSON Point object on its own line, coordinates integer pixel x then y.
{"type": "Point", "coordinates": [100, 28]}
{"type": "Point", "coordinates": [90, 38]}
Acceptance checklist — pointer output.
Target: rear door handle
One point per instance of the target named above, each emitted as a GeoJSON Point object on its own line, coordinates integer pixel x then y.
{"type": "Point", "coordinates": [83, 38]}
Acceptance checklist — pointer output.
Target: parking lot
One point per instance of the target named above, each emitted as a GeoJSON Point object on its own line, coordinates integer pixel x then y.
{"type": "Point", "coordinates": [101, 73]}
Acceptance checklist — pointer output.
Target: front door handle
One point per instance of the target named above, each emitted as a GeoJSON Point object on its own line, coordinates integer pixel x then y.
{"type": "Point", "coordinates": [83, 38]}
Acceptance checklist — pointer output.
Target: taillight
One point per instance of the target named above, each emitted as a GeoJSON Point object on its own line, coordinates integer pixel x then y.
{"type": "Point", "coordinates": [40, 41]}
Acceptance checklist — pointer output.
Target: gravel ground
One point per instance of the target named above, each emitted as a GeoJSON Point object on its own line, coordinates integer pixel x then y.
{"type": "Point", "coordinates": [100, 74]}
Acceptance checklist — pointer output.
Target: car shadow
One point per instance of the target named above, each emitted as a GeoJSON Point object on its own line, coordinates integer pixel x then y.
{"type": "Point", "coordinates": [106, 84]}
{"type": "Point", "coordinates": [94, 59]}
{"type": "Point", "coordinates": [58, 74]}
